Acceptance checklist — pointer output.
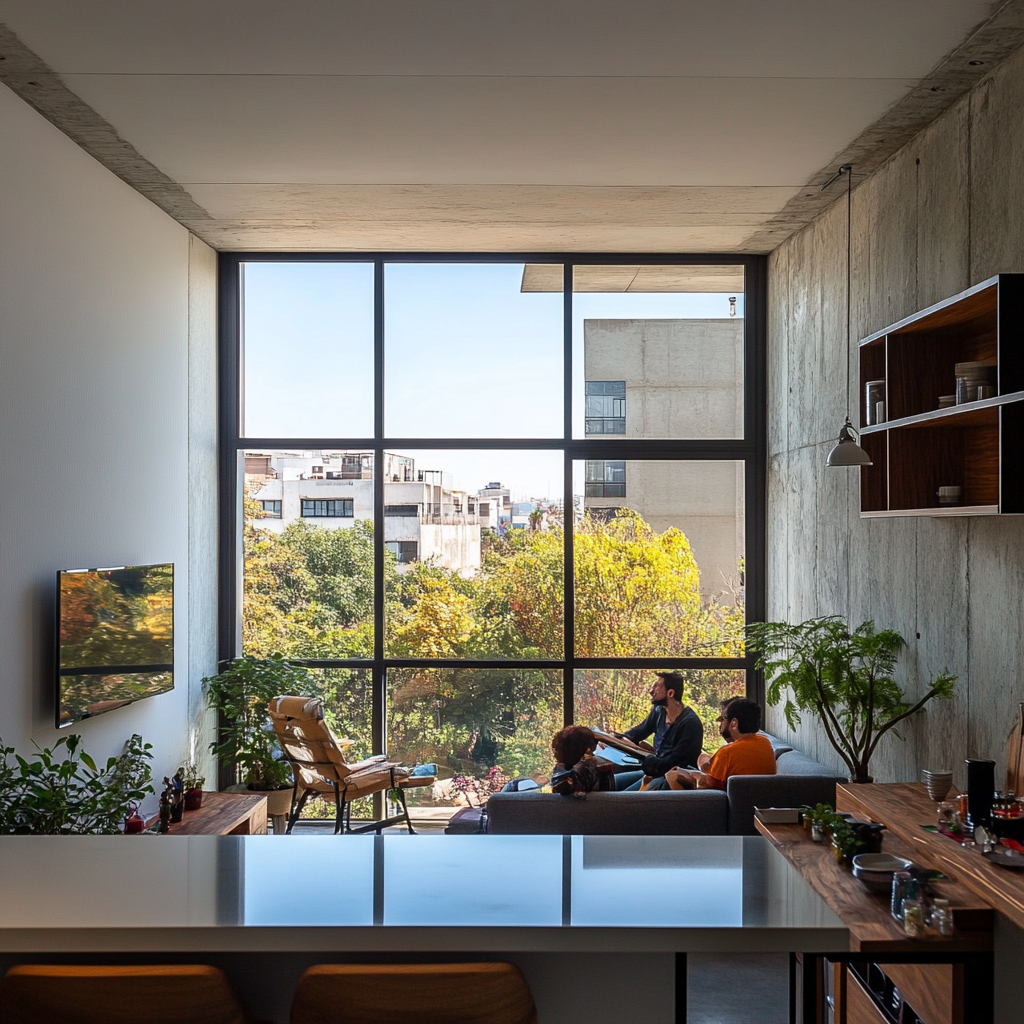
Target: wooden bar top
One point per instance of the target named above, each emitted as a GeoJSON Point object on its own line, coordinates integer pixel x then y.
{"type": "Point", "coordinates": [903, 807]}
{"type": "Point", "coordinates": [866, 914]}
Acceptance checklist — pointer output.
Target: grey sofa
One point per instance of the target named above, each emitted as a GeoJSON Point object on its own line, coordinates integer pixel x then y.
{"type": "Point", "coordinates": [800, 780]}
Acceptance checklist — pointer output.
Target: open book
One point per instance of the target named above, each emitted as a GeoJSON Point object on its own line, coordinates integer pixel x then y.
{"type": "Point", "coordinates": [609, 739]}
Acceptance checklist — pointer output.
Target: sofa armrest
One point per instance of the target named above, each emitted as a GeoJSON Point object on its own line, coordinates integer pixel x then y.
{"type": "Point", "coordinates": [746, 792]}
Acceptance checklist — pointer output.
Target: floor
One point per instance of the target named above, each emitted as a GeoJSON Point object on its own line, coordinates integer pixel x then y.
{"type": "Point", "coordinates": [738, 988]}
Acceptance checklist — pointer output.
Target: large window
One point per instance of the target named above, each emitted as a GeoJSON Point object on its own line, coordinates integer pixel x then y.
{"type": "Point", "coordinates": [479, 505]}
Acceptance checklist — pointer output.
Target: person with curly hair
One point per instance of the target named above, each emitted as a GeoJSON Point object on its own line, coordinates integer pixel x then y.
{"type": "Point", "coordinates": [577, 770]}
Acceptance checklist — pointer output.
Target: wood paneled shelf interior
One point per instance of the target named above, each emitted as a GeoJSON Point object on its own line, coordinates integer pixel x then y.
{"type": "Point", "coordinates": [976, 446]}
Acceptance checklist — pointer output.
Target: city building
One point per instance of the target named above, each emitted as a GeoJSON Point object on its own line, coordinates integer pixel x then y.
{"type": "Point", "coordinates": [671, 378]}
{"type": "Point", "coordinates": [425, 518]}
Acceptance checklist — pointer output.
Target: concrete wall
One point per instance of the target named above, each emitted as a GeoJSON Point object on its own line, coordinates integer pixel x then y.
{"type": "Point", "coordinates": [945, 212]}
{"type": "Point", "coordinates": [107, 382]}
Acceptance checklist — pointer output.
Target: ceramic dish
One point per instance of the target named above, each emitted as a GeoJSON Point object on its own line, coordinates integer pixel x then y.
{"type": "Point", "coordinates": [875, 870]}
{"type": "Point", "coordinates": [1005, 857]}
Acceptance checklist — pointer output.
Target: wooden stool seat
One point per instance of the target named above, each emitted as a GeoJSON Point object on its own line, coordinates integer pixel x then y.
{"type": "Point", "coordinates": [482, 993]}
{"type": "Point", "coordinates": [171, 994]}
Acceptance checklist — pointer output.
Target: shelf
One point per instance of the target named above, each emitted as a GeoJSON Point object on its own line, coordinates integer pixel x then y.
{"type": "Point", "coordinates": [956, 415]}
{"type": "Point", "coordinates": [976, 446]}
{"type": "Point", "coordinates": [944, 510]}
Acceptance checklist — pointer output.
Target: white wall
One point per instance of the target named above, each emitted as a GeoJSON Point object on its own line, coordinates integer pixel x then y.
{"type": "Point", "coordinates": [98, 289]}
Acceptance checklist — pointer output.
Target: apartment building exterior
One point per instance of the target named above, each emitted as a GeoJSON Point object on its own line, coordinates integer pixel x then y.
{"type": "Point", "coordinates": [425, 517]}
{"type": "Point", "coordinates": [651, 378]}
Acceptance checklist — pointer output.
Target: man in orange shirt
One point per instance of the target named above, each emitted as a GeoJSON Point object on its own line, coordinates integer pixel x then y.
{"type": "Point", "coordinates": [746, 751]}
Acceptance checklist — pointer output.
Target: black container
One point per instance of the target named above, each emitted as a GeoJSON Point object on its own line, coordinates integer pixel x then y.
{"type": "Point", "coordinates": [981, 784]}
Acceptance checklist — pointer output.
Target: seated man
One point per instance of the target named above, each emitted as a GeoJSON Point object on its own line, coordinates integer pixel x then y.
{"type": "Point", "coordinates": [678, 734]}
{"type": "Point", "coordinates": [746, 751]}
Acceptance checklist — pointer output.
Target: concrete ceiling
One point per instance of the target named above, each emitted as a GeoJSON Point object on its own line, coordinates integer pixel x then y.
{"type": "Point", "coordinates": [539, 125]}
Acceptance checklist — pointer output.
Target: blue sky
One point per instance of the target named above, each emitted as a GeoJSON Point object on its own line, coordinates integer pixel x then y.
{"type": "Point", "coordinates": [467, 354]}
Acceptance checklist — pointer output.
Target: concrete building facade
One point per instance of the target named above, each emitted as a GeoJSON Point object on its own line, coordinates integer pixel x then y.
{"type": "Point", "coordinates": [671, 379]}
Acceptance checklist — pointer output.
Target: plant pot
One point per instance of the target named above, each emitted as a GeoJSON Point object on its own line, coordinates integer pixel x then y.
{"type": "Point", "coordinates": [177, 811]}
{"type": "Point", "coordinates": [193, 799]}
{"type": "Point", "coordinates": [279, 801]}
{"type": "Point", "coordinates": [817, 834]}
{"type": "Point", "coordinates": [867, 778]}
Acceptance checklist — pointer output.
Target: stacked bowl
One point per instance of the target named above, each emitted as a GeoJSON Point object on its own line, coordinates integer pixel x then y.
{"type": "Point", "coordinates": [938, 782]}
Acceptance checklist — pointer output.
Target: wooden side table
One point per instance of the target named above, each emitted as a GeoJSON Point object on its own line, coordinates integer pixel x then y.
{"type": "Point", "coordinates": [224, 814]}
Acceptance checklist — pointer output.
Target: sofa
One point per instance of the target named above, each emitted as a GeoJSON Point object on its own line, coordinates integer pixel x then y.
{"type": "Point", "coordinates": [702, 812]}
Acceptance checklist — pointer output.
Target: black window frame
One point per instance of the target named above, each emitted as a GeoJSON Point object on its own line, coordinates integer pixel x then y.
{"type": "Point", "coordinates": [271, 513]}
{"type": "Point", "coordinates": [750, 449]}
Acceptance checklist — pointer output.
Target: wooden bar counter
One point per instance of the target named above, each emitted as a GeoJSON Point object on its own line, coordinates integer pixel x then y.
{"type": "Point", "coordinates": [903, 807]}
{"type": "Point", "coordinates": [867, 915]}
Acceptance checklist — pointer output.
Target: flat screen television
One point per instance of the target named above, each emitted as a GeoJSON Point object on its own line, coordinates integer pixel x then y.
{"type": "Point", "coordinates": [115, 638]}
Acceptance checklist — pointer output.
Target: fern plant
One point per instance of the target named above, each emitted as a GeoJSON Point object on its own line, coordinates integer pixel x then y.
{"type": "Point", "coordinates": [843, 677]}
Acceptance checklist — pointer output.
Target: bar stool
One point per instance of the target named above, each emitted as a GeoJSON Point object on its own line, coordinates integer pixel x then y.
{"type": "Point", "coordinates": [162, 994]}
{"type": "Point", "coordinates": [481, 993]}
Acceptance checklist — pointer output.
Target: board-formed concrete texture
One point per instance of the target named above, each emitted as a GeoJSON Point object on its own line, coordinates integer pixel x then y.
{"type": "Point", "coordinates": [944, 212]}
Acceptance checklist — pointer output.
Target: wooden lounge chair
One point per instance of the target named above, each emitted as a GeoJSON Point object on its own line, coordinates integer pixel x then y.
{"type": "Point", "coordinates": [319, 766]}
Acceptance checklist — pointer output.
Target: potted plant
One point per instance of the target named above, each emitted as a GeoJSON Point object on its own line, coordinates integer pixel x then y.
{"type": "Point", "coordinates": [61, 791]}
{"type": "Point", "coordinates": [192, 783]}
{"type": "Point", "coordinates": [843, 677]}
{"type": "Point", "coordinates": [240, 694]}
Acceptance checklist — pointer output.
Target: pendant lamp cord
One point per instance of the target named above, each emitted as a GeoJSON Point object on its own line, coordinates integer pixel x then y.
{"type": "Point", "coordinates": [848, 168]}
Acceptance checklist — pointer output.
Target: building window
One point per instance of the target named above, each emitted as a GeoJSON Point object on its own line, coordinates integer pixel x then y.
{"type": "Point", "coordinates": [271, 509]}
{"type": "Point", "coordinates": [405, 551]}
{"type": "Point", "coordinates": [606, 407]}
{"type": "Point", "coordinates": [606, 479]}
{"type": "Point", "coordinates": [329, 508]}
{"type": "Point", "coordinates": [410, 511]}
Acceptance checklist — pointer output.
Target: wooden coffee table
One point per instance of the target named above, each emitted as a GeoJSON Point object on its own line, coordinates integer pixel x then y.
{"type": "Point", "coordinates": [224, 814]}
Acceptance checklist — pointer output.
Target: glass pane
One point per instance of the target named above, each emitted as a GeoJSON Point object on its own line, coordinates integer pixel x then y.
{"type": "Point", "coordinates": [348, 709]}
{"type": "Point", "coordinates": [658, 352]}
{"type": "Point", "coordinates": [478, 567]}
{"type": "Point", "coordinates": [618, 699]}
{"type": "Point", "coordinates": [471, 351]}
{"type": "Point", "coordinates": [308, 570]}
{"type": "Point", "coordinates": [481, 727]}
{"type": "Point", "coordinates": [308, 349]}
{"type": "Point", "coordinates": [658, 554]}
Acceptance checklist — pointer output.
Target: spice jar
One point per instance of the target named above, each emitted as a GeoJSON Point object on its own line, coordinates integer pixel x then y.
{"type": "Point", "coordinates": [913, 918]}
{"type": "Point", "coordinates": [942, 917]}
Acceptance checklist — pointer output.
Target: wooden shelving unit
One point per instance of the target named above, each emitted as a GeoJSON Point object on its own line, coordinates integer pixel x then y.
{"type": "Point", "coordinates": [977, 446]}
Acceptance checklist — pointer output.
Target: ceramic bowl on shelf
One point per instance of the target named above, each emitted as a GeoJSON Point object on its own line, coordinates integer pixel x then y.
{"type": "Point", "coordinates": [875, 870]}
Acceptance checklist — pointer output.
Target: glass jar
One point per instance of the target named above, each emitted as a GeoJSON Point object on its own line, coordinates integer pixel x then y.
{"type": "Point", "coordinates": [913, 918]}
{"type": "Point", "coordinates": [874, 402]}
{"type": "Point", "coordinates": [901, 881]}
{"type": "Point", "coordinates": [942, 917]}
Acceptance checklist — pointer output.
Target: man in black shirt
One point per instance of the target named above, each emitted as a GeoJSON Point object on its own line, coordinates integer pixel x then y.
{"type": "Point", "coordinates": [678, 735]}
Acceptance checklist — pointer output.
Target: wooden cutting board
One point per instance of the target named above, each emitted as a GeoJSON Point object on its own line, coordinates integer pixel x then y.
{"type": "Point", "coordinates": [1015, 756]}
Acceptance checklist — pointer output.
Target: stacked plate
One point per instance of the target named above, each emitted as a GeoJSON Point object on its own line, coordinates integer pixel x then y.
{"type": "Point", "coordinates": [937, 782]}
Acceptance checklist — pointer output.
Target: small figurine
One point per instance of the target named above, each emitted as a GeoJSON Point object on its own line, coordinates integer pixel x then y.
{"type": "Point", "coordinates": [165, 813]}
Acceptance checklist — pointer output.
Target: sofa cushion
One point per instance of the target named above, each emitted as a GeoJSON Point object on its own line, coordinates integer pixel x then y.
{"type": "Point", "coordinates": [792, 762]}
{"type": "Point", "coordinates": [658, 813]}
{"type": "Point", "coordinates": [778, 746]}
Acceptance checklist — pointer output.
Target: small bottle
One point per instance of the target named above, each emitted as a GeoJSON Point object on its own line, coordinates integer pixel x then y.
{"type": "Point", "coordinates": [942, 917]}
{"type": "Point", "coordinates": [913, 918]}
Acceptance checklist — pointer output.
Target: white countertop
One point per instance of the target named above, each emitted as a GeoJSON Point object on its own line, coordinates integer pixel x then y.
{"type": "Point", "coordinates": [397, 892]}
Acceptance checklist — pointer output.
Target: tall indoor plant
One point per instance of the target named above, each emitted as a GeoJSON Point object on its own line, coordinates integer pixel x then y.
{"type": "Point", "coordinates": [240, 694]}
{"type": "Point", "coordinates": [843, 677]}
